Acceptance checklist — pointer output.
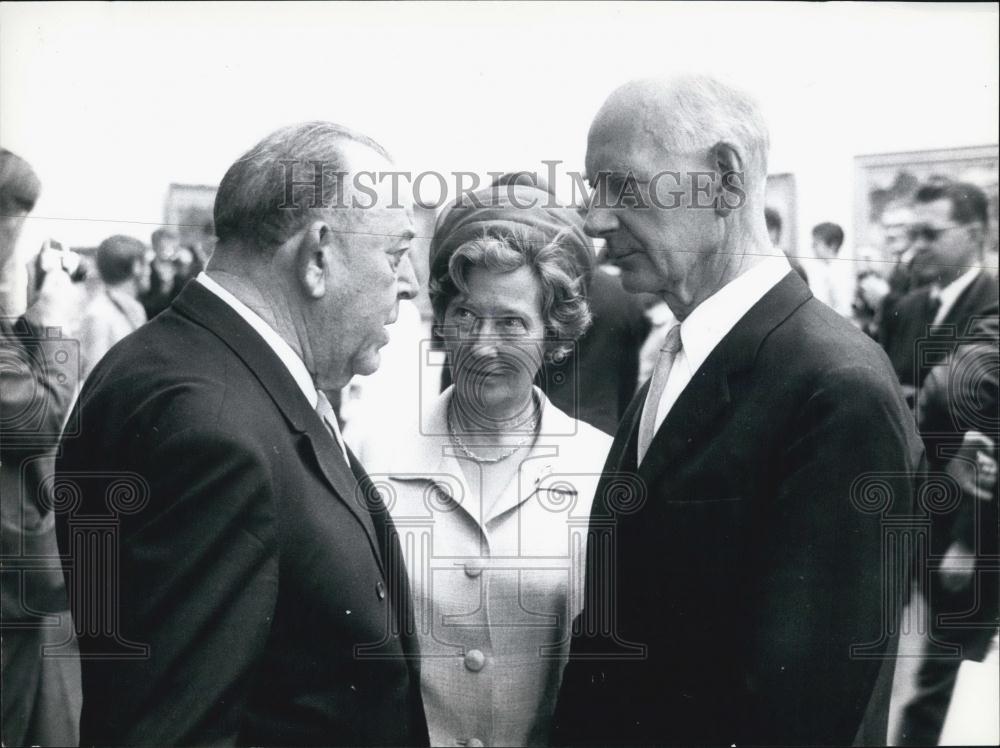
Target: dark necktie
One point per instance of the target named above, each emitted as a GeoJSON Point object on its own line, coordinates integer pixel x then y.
{"type": "Point", "coordinates": [932, 307]}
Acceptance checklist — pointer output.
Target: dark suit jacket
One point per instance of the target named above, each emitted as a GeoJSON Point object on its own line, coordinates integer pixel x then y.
{"type": "Point", "coordinates": [251, 597]}
{"type": "Point", "coordinates": [595, 384]}
{"type": "Point", "coordinates": [730, 574]}
{"type": "Point", "coordinates": [907, 324]}
{"type": "Point", "coordinates": [960, 395]}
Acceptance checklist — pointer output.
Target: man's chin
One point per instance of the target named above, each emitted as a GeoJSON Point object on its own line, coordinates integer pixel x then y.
{"type": "Point", "coordinates": [634, 282]}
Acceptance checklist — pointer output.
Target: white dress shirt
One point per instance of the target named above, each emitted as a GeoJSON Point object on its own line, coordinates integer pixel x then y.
{"type": "Point", "coordinates": [292, 361]}
{"type": "Point", "coordinates": [712, 320]}
{"type": "Point", "coordinates": [950, 293]}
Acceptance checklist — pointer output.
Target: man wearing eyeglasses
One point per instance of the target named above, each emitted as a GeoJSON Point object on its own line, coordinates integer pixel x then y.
{"type": "Point", "coordinates": [953, 311]}
{"type": "Point", "coordinates": [947, 237]}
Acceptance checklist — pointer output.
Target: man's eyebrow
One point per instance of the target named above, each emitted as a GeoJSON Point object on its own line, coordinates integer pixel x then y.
{"type": "Point", "coordinates": [405, 236]}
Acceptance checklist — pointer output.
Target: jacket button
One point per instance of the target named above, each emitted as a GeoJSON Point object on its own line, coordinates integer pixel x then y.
{"type": "Point", "coordinates": [380, 590]}
{"type": "Point", "coordinates": [474, 567]}
{"type": "Point", "coordinates": [475, 660]}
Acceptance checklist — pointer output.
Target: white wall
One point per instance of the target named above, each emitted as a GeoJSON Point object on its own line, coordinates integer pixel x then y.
{"type": "Point", "coordinates": [111, 102]}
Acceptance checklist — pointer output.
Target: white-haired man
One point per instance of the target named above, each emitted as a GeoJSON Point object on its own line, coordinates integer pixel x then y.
{"type": "Point", "coordinates": [734, 557]}
{"type": "Point", "coordinates": [258, 596]}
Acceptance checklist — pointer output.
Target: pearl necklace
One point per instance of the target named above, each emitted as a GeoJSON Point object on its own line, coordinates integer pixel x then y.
{"type": "Point", "coordinates": [457, 440]}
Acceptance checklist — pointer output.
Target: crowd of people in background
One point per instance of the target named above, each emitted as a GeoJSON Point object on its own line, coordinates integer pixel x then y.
{"type": "Point", "coordinates": [934, 276]}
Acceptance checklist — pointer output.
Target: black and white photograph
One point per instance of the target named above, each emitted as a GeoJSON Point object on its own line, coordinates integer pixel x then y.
{"type": "Point", "coordinates": [499, 373]}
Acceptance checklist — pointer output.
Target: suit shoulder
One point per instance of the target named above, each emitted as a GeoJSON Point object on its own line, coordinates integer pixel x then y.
{"type": "Point", "coordinates": [818, 347]}
{"type": "Point", "coordinates": [169, 369]}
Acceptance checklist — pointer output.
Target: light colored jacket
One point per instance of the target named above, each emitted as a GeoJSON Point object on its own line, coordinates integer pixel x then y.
{"type": "Point", "coordinates": [494, 595]}
{"type": "Point", "coordinates": [108, 317]}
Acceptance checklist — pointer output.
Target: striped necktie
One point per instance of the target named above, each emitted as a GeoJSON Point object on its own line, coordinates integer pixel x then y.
{"type": "Point", "coordinates": [658, 382]}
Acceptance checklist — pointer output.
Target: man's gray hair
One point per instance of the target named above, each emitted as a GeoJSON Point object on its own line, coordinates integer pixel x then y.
{"type": "Point", "coordinates": [274, 188]}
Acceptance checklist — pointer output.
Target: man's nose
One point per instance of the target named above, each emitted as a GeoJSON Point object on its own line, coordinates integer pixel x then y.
{"type": "Point", "coordinates": [601, 220]}
{"type": "Point", "coordinates": [406, 279]}
{"type": "Point", "coordinates": [483, 337]}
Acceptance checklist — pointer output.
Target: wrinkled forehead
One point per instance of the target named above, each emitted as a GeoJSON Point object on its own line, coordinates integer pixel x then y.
{"type": "Point", "coordinates": [621, 141]}
{"type": "Point", "coordinates": [373, 196]}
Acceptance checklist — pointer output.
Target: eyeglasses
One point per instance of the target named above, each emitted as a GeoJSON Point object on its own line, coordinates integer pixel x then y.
{"type": "Point", "coordinates": [929, 233]}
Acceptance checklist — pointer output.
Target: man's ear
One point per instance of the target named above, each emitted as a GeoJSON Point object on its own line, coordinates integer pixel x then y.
{"type": "Point", "coordinates": [313, 257]}
{"type": "Point", "coordinates": [729, 185]}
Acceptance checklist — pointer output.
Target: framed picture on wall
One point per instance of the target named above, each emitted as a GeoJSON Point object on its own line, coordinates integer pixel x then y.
{"type": "Point", "coordinates": [781, 197]}
{"type": "Point", "coordinates": [887, 180]}
{"type": "Point", "coordinates": [189, 210]}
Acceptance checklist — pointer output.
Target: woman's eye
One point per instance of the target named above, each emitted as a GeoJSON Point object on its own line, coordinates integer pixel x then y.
{"type": "Point", "coordinates": [512, 324]}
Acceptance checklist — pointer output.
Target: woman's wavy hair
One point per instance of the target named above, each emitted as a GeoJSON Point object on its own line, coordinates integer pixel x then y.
{"type": "Point", "coordinates": [565, 310]}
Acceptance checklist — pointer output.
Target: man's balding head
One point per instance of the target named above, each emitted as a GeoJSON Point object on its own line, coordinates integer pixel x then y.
{"type": "Point", "coordinates": [689, 114]}
{"type": "Point", "coordinates": [315, 241]}
{"type": "Point", "coordinates": [274, 188]}
{"type": "Point", "coordinates": [680, 167]}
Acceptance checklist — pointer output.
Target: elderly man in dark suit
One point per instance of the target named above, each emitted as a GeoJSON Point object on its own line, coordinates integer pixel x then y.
{"type": "Point", "coordinates": [735, 570]}
{"type": "Point", "coordinates": [248, 588]}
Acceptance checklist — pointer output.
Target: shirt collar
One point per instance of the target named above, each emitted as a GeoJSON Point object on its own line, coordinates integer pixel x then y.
{"type": "Point", "coordinates": [281, 349]}
{"type": "Point", "coordinates": [713, 318]}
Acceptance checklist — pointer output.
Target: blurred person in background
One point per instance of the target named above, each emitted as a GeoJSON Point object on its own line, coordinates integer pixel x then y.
{"type": "Point", "coordinates": [880, 286]}
{"type": "Point", "coordinates": [40, 694]}
{"type": "Point", "coordinates": [496, 471]}
{"type": "Point", "coordinates": [124, 266]}
{"type": "Point", "coordinates": [947, 237]}
{"type": "Point", "coordinates": [957, 412]}
{"type": "Point", "coordinates": [187, 265]}
{"type": "Point", "coordinates": [831, 276]}
{"type": "Point", "coordinates": [772, 219]}
{"type": "Point", "coordinates": [163, 281]}
{"type": "Point", "coordinates": [952, 401]}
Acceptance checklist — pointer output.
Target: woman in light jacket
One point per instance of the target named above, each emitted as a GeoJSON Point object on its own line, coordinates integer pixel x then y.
{"type": "Point", "coordinates": [491, 488]}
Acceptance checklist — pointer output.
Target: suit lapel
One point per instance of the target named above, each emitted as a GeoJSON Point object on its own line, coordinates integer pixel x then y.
{"type": "Point", "coordinates": [979, 299]}
{"type": "Point", "coordinates": [704, 397]}
{"type": "Point", "coordinates": [202, 306]}
{"type": "Point", "coordinates": [707, 395]}
{"type": "Point", "coordinates": [357, 494]}
{"type": "Point", "coordinates": [625, 450]}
